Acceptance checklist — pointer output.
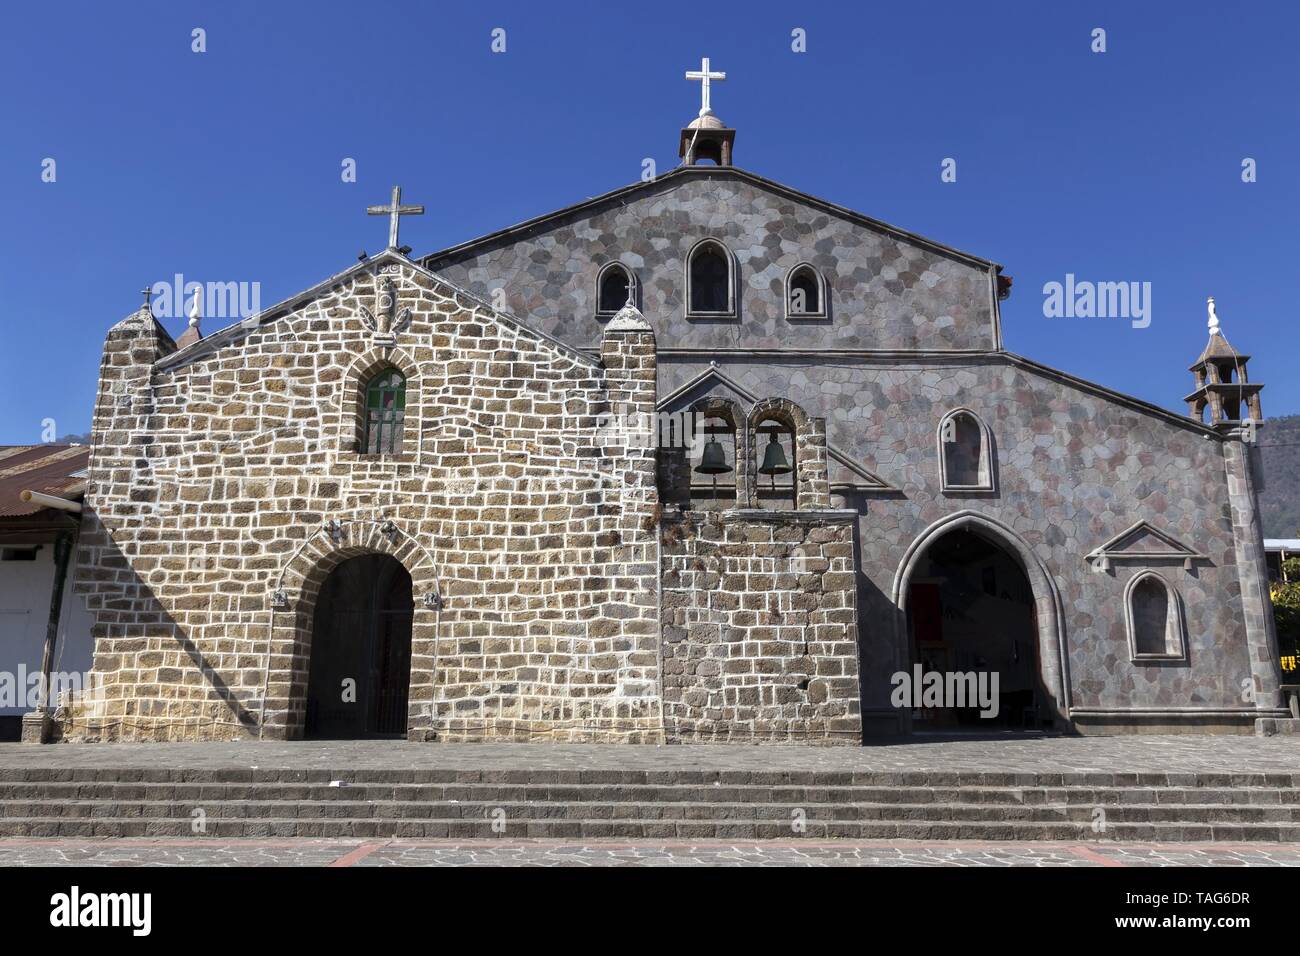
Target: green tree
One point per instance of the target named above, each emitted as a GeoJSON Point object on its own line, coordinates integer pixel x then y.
{"type": "Point", "coordinates": [1286, 612]}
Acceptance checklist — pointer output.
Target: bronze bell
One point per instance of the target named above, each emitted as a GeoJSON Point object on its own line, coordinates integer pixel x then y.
{"type": "Point", "coordinates": [714, 460]}
{"type": "Point", "coordinates": [774, 462]}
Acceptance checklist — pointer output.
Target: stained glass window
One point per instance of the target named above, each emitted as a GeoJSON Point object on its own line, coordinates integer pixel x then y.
{"type": "Point", "coordinates": [385, 413]}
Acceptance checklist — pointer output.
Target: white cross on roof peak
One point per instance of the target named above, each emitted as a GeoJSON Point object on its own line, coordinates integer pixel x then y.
{"type": "Point", "coordinates": [704, 76]}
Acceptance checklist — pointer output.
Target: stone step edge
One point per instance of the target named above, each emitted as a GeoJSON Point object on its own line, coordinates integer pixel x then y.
{"type": "Point", "coordinates": [1140, 813]}
{"type": "Point", "coordinates": [187, 806]}
{"type": "Point", "coordinates": [873, 785]}
{"type": "Point", "coordinates": [757, 797]}
{"type": "Point", "coordinates": [1190, 779]}
{"type": "Point", "coordinates": [329, 783]}
{"type": "Point", "coordinates": [406, 810]}
{"type": "Point", "coordinates": [1157, 800]}
{"type": "Point", "coordinates": [381, 829]}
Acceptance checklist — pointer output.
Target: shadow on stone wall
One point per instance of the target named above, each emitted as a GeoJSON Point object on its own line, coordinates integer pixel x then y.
{"type": "Point", "coordinates": [878, 623]}
{"type": "Point", "coordinates": [134, 631]}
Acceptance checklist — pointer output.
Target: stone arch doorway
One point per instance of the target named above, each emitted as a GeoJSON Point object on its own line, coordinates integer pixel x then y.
{"type": "Point", "coordinates": [972, 596]}
{"type": "Point", "coordinates": [359, 671]}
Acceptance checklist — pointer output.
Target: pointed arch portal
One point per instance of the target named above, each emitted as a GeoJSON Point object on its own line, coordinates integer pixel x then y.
{"type": "Point", "coordinates": [972, 595]}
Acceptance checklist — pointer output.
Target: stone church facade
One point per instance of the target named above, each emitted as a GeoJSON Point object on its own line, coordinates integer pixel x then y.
{"type": "Point", "coordinates": [690, 461]}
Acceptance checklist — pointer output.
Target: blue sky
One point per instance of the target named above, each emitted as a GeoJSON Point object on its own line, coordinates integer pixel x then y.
{"type": "Point", "coordinates": [225, 165]}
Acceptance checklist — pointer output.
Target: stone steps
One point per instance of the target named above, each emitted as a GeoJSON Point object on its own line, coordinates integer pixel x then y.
{"type": "Point", "coordinates": [674, 776]}
{"type": "Point", "coordinates": [672, 803]}
{"type": "Point", "coordinates": [541, 811]}
{"type": "Point", "coordinates": [516, 793]}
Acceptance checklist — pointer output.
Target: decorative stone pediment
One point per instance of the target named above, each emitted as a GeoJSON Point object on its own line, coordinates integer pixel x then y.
{"type": "Point", "coordinates": [711, 383]}
{"type": "Point", "coordinates": [386, 322]}
{"type": "Point", "coordinates": [844, 473]}
{"type": "Point", "coordinates": [1143, 542]}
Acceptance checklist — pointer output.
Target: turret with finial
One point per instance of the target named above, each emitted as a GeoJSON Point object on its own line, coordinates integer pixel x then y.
{"type": "Point", "coordinates": [706, 136]}
{"type": "Point", "coordinates": [1222, 385]}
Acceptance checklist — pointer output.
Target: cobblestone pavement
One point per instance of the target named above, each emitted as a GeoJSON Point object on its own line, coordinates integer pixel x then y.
{"type": "Point", "coordinates": [1014, 754]}
{"type": "Point", "coordinates": [200, 852]}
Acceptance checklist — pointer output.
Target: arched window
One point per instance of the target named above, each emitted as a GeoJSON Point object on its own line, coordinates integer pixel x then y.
{"type": "Point", "coordinates": [1154, 613]}
{"type": "Point", "coordinates": [805, 293]}
{"type": "Point", "coordinates": [965, 458]}
{"type": "Point", "coordinates": [385, 412]}
{"type": "Point", "coordinates": [710, 280]}
{"type": "Point", "coordinates": [613, 283]}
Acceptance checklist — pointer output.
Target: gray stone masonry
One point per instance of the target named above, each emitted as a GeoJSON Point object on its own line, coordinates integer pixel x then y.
{"type": "Point", "coordinates": [759, 627]}
{"type": "Point", "coordinates": [224, 487]}
{"type": "Point", "coordinates": [566, 586]}
{"type": "Point", "coordinates": [912, 333]}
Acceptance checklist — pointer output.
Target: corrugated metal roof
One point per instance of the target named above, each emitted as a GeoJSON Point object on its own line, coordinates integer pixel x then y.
{"type": "Point", "coordinates": [52, 469]}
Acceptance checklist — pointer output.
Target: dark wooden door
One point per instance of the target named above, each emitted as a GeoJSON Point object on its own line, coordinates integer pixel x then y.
{"type": "Point", "coordinates": [360, 671]}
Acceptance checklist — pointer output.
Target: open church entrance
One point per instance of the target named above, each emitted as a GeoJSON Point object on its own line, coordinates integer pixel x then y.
{"type": "Point", "coordinates": [360, 672]}
{"type": "Point", "coordinates": [970, 609]}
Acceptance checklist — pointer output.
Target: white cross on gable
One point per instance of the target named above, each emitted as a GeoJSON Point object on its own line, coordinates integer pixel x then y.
{"type": "Point", "coordinates": [703, 75]}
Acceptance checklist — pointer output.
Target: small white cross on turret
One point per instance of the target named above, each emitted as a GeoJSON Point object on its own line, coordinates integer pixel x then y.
{"type": "Point", "coordinates": [394, 212]}
{"type": "Point", "coordinates": [704, 76]}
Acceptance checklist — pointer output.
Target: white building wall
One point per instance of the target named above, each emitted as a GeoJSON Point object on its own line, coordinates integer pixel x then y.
{"type": "Point", "coordinates": [25, 589]}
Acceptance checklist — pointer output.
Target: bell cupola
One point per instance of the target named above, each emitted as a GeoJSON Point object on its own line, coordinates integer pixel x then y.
{"type": "Point", "coordinates": [1224, 394]}
{"type": "Point", "coordinates": [706, 137]}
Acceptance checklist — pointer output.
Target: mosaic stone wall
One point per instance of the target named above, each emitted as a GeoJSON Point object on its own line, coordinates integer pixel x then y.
{"type": "Point", "coordinates": [1073, 468]}
{"type": "Point", "coordinates": [1074, 465]}
{"type": "Point", "coordinates": [885, 293]}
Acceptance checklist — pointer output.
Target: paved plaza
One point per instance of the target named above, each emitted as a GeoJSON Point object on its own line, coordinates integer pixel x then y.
{"type": "Point", "coordinates": [340, 853]}
{"type": "Point", "coordinates": [1007, 754]}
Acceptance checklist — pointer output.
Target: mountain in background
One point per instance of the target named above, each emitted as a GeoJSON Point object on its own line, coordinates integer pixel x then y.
{"type": "Point", "coordinates": [1279, 491]}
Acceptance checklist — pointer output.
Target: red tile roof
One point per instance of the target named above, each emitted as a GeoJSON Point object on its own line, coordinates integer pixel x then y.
{"type": "Point", "coordinates": [52, 469]}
